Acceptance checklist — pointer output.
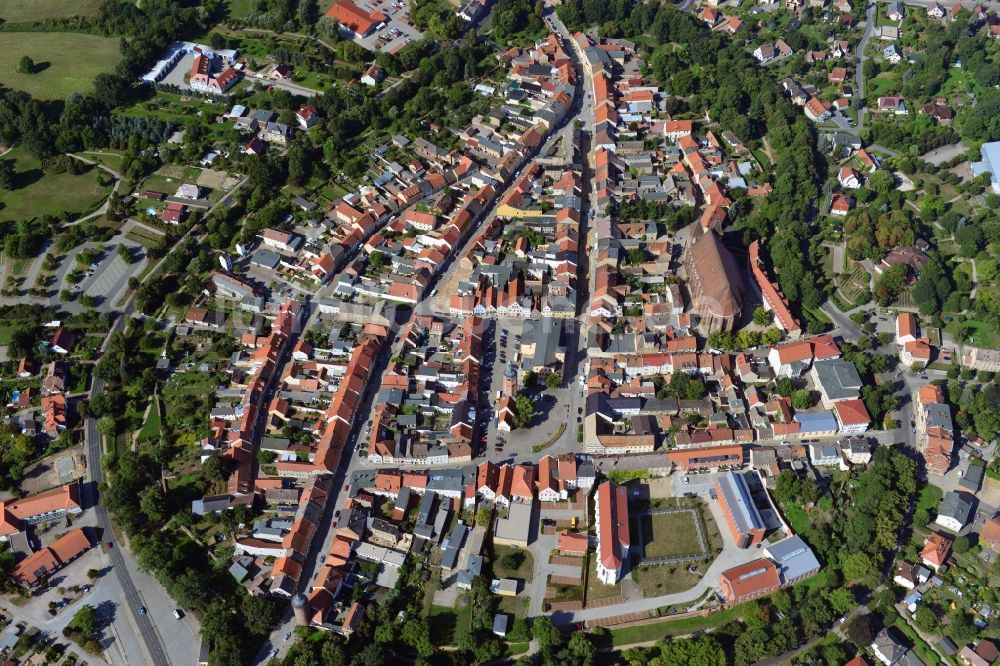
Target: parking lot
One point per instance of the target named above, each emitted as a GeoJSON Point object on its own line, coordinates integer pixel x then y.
{"type": "Point", "coordinates": [397, 31]}
{"type": "Point", "coordinates": [108, 280]}
{"type": "Point", "coordinates": [175, 77]}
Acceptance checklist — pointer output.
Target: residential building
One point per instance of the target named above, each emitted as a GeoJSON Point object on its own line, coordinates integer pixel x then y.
{"type": "Point", "coordinates": [936, 550]}
{"type": "Point", "coordinates": [852, 416]}
{"type": "Point", "coordinates": [836, 380]}
{"type": "Point", "coordinates": [887, 649]}
{"type": "Point", "coordinates": [954, 511]}
{"type": "Point", "coordinates": [990, 534]}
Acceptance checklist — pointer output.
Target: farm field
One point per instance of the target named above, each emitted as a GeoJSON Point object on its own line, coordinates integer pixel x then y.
{"type": "Point", "coordinates": [60, 71]}
{"type": "Point", "coordinates": [26, 11]}
{"type": "Point", "coordinates": [37, 193]}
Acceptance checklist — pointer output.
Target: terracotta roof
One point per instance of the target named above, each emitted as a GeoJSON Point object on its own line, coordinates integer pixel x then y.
{"type": "Point", "coordinates": [990, 534]}
{"type": "Point", "coordinates": [573, 542]}
{"type": "Point", "coordinates": [906, 324]}
{"type": "Point", "coordinates": [751, 578]}
{"type": "Point", "coordinates": [613, 528]}
{"type": "Point", "coordinates": [936, 549]}
{"type": "Point", "coordinates": [721, 290]}
{"type": "Point", "coordinates": [852, 412]}
{"type": "Point", "coordinates": [29, 570]}
{"type": "Point", "coordinates": [795, 351]}
{"type": "Point", "coordinates": [70, 546]}
{"type": "Point", "coordinates": [353, 17]}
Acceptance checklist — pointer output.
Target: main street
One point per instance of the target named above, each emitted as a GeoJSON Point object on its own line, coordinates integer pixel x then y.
{"type": "Point", "coordinates": [276, 644]}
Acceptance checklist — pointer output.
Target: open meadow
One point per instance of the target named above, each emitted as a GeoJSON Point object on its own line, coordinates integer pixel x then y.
{"type": "Point", "coordinates": [28, 11]}
{"type": "Point", "coordinates": [37, 193]}
{"type": "Point", "coordinates": [65, 63]}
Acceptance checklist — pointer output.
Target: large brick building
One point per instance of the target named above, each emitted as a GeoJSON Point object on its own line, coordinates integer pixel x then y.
{"type": "Point", "coordinates": [749, 581]}
{"type": "Point", "coordinates": [738, 507]}
{"type": "Point", "coordinates": [713, 280]}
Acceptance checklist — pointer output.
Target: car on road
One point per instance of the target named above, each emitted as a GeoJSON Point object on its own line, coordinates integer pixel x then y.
{"type": "Point", "coordinates": [274, 652]}
{"type": "Point", "coordinates": [288, 635]}
{"type": "Point", "coordinates": [178, 614]}
{"type": "Point", "coordinates": [142, 610]}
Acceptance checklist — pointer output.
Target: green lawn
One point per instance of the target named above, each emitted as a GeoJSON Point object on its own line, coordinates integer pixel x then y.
{"type": "Point", "coordinates": [37, 193]}
{"type": "Point", "coordinates": [239, 8]}
{"type": "Point", "coordinates": [797, 518]}
{"type": "Point", "coordinates": [658, 630]}
{"type": "Point", "coordinates": [26, 11]}
{"type": "Point", "coordinates": [929, 497]}
{"type": "Point", "coordinates": [60, 70]}
{"type": "Point", "coordinates": [151, 428]}
{"type": "Point", "coordinates": [981, 335]}
{"type": "Point", "coordinates": [667, 534]}
{"type": "Point", "coordinates": [523, 571]}
{"type": "Point", "coordinates": [659, 579]}
{"type": "Point", "coordinates": [441, 624]}
{"type": "Point", "coordinates": [110, 160]}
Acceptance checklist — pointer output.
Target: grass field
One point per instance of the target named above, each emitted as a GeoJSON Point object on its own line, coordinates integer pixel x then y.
{"type": "Point", "coordinates": [522, 572]}
{"type": "Point", "coordinates": [59, 68]}
{"type": "Point", "coordinates": [668, 534]}
{"type": "Point", "coordinates": [659, 579]}
{"type": "Point", "coordinates": [37, 193]}
{"type": "Point", "coordinates": [26, 11]}
{"type": "Point", "coordinates": [658, 630]}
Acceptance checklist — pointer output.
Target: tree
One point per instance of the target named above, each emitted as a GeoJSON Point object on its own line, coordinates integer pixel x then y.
{"type": "Point", "coordinates": [259, 614]}
{"type": "Point", "coordinates": [216, 468]}
{"type": "Point", "coordinates": [26, 65]}
{"type": "Point", "coordinates": [483, 516]}
{"type": "Point", "coordinates": [86, 621]}
{"type": "Point", "coordinates": [858, 567]}
{"type": "Point", "coordinates": [802, 399]}
{"type": "Point", "coordinates": [93, 574]}
{"type": "Point", "coordinates": [7, 174]}
{"type": "Point", "coordinates": [961, 629]}
{"type": "Point", "coordinates": [524, 410]}
{"type": "Point", "coordinates": [703, 651]}
{"type": "Point", "coordinates": [416, 634]}
{"type": "Point", "coordinates": [106, 426]}
{"type": "Point", "coordinates": [761, 317]}
{"type": "Point", "coordinates": [552, 381]}
{"type": "Point", "coordinates": [512, 560]}
{"type": "Point", "coordinates": [927, 619]}
{"type": "Point", "coordinates": [841, 599]}
{"type": "Point", "coordinates": [377, 260]}
{"type": "Point", "coordinates": [960, 545]}
{"type": "Point", "coordinates": [545, 632]}
{"type": "Point", "coordinates": [862, 630]}
{"type": "Point", "coordinates": [153, 503]}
